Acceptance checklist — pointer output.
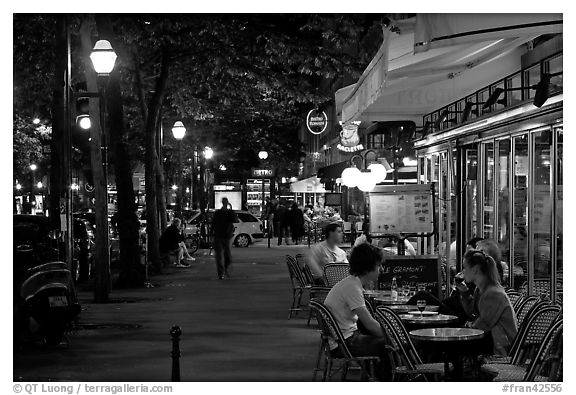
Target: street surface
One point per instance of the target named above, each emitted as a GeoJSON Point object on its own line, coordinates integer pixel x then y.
{"type": "Point", "coordinates": [232, 330]}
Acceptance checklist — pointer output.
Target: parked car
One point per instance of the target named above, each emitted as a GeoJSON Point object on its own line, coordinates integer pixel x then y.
{"type": "Point", "coordinates": [247, 228]}
{"type": "Point", "coordinates": [34, 230]}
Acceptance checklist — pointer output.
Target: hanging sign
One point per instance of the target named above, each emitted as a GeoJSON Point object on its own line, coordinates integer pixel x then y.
{"type": "Point", "coordinates": [316, 121]}
{"type": "Point", "coordinates": [349, 139]}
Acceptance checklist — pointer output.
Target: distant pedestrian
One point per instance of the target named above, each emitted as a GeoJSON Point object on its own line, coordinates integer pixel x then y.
{"type": "Point", "coordinates": [270, 214]}
{"type": "Point", "coordinates": [296, 221]}
{"type": "Point", "coordinates": [283, 223]}
{"type": "Point", "coordinates": [223, 229]}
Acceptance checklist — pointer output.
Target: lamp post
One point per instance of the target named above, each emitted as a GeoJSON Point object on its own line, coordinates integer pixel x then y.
{"type": "Point", "coordinates": [208, 155]}
{"type": "Point", "coordinates": [33, 168]}
{"type": "Point", "coordinates": [103, 58]}
{"type": "Point", "coordinates": [179, 131]}
{"type": "Point", "coordinates": [263, 155]}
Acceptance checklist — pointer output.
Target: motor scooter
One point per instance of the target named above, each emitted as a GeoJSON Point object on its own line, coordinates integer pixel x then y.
{"type": "Point", "coordinates": [47, 301]}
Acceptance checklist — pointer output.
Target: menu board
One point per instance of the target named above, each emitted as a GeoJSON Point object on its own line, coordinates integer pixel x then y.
{"type": "Point", "coordinates": [401, 209]}
{"type": "Point", "coordinates": [412, 270]}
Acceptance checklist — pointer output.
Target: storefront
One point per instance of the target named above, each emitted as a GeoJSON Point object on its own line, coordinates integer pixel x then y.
{"type": "Point", "coordinates": [485, 92]}
{"type": "Point", "coordinates": [501, 177]}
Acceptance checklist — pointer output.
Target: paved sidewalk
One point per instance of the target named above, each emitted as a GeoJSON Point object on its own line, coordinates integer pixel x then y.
{"type": "Point", "coordinates": [233, 330]}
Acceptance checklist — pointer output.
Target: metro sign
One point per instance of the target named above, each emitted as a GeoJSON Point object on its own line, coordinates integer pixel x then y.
{"type": "Point", "coordinates": [263, 173]}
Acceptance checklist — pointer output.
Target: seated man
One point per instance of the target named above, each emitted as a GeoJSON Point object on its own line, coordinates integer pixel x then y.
{"type": "Point", "coordinates": [327, 251]}
{"type": "Point", "coordinates": [346, 302]}
{"type": "Point", "coordinates": [172, 240]}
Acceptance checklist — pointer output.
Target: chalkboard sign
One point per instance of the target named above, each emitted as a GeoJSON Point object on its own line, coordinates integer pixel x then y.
{"type": "Point", "coordinates": [414, 270]}
{"type": "Point", "coordinates": [398, 209]}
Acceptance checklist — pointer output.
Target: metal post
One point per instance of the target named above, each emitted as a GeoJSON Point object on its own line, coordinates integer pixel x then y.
{"type": "Point", "coordinates": [180, 180]}
{"type": "Point", "coordinates": [175, 332]}
{"type": "Point", "coordinates": [104, 147]}
{"type": "Point", "coordinates": [67, 154]}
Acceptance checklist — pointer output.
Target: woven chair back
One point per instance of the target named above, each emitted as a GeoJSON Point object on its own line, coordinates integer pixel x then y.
{"type": "Point", "coordinates": [295, 273]}
{"type": "Point", "coordinates": [329, 327]}
{"type": "Point", "coordinates": [537, 325]}
{"type": "Point", "coordinates": [395, 329]}
{"type": "Point", "coordinates": [335, 272]}
{"type": "Point", "coordinates": [319, 293]}
{"type": "Point", "coordinates": [549, 358]}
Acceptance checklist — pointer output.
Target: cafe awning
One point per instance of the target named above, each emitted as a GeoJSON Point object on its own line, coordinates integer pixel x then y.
{"type": "Point", "coordinates": [333, 171]}
{"type": "Point", "coordinates": [308, 185]}
{"type": "Point", "coordinates": [405, 81]}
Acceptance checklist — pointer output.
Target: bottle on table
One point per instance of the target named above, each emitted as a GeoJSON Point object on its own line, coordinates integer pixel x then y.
{"type": "Point", "coordinates": [394, 289]}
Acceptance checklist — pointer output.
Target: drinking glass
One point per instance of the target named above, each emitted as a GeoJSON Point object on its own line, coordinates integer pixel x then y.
{"type": "Point", "coordinates": [406, 291]}
{"type": "Point", "coordinates": [421, 304]}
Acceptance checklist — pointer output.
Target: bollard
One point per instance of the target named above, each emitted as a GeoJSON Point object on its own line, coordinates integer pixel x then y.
{"type": "Point", "coordinates": [175, 332]}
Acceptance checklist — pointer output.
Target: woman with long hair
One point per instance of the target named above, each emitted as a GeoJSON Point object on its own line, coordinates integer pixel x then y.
{"type": "Point", "coordinates": [490, 307]}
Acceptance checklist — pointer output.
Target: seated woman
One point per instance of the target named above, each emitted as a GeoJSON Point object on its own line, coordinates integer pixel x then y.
{"type": "Point", "coordinates": [452, 304]}
{"type": "Point", "coordinates": [346, 302]}
{"type": "Point", "coordinates": [489, 305]}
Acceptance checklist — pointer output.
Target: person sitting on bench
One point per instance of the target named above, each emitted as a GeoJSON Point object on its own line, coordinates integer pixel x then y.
{"type": "Point", "coordinates": [172, 241]}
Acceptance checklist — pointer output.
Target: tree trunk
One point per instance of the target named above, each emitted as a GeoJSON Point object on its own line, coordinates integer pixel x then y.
{"type": "Point", "coordinates": [160, 178]}
{"type": "Point", "coordinates": [102, 254]}
{"type": "Point", "coordinates": [161, 196]}
{"type": "Point", "coordinates": [151, 165]}
{"type": "Point", "coordinates": [59, 120]}
{"type": "Point", "coordinates": [131, 271]}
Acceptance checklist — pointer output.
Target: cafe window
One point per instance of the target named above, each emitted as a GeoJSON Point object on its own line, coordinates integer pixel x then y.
{"type": "Point", "coordinates": [488, 191]}
{"type": "Point", "coordinates": [503, 236]}
{"type": "Point", "coordinates": [559, 206]}
{"type": "Point", "coordinates": [376, 140]}
{"type": "Point", "coordinates": [471, 191]}
{"type": "Point", "coordinates": [542, 210]}
{"type": "Point", "coordinates": [520, 214]}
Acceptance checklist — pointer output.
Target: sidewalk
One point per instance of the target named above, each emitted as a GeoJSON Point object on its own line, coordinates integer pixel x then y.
{"type": "Point", "coordinates": [232, 330]}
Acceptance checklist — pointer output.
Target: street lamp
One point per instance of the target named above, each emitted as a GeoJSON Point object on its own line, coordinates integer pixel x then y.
{"type": "Point", "coordinates": [179, 131]}
{"type": "Point", "coordinates": [103, 58]}
{"type": "Point", "coordinates": [263, 155]}
{"type": "Point", "coordinates": [84, 121]}
{"type": "Point", "coordinates": [208, 153]}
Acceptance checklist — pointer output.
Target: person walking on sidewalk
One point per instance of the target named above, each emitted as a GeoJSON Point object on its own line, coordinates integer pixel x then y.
{"type": "Point", "coordinates": [172, 240]}
{"type": "Point", "coordinates": [282, 214]}
{"type": "Point", "coordinates": [222, 230]}
{"type": "Point", "coordinates": [296, 223]}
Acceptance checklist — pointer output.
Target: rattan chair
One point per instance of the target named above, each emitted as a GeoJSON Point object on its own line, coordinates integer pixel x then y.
{"type": "Point", "coordinates": [298, 285]}
{"type": "Point", "coordinates": [513, 296]}
{"type": "Point", "coordinates": [330, 329]}
{"type": "Point", "coordinates": [524, 307]}
{"type": "Point", "coordinates": [530, 334]}
{"type": "Point", "coordinates": [334, 272]}
{"type": "Point", "coordinates": [545, 366]}
{"type": "Point", "coordinates": [305, 269]}
{"type": "Point", "coordinates": [317, 293]}
{"type": "Point", "coordinates": [406, 358]}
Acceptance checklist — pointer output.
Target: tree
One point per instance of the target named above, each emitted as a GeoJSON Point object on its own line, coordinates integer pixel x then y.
{"type": "Point", "coordinates": [238, 82]}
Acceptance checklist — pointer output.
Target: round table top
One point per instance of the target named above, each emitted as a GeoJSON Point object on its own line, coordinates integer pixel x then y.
{"type": "Point", "coordinates": [440, 319]}
{"type": "Point", "coordinates": [373, 293]}
{"type": "Point", "coordinates": [447, 334]}
{"type": "Point", "coordinates": [389, 300]}
{"type": "Point", "coordinates": [400, 308]}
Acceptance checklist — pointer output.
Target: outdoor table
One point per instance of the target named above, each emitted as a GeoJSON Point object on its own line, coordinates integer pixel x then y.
{"type": "Point", "coordinates": [387, 300]}
{"type": "Point", "coordinates": [451, 340]}
{"type": "Point", "coordinates": [405, 308]}
{"type": "Point", "coordinates": [436, 319]}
